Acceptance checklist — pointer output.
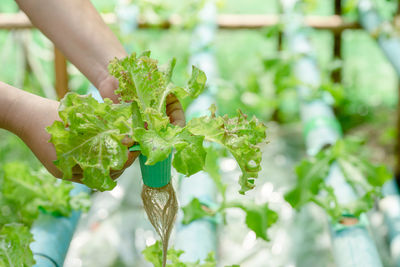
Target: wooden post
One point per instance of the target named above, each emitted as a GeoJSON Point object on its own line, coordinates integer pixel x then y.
{"type": "Point", "coordinates": [398, 8]}
{"type": "Point", "coordinates": [397, 148]}
{"type": "Point", "coordinates": [280, 33]}
{"type": "Point", "coordinates": [61, 74]}
{"type": "Point", "coordinates": [280, 40]}
{"type": "Point", "coordinates": [337, 44]}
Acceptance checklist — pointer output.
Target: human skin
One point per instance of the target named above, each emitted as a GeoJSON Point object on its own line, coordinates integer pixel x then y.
{"type": "Point", "coordinates": [78, 30]}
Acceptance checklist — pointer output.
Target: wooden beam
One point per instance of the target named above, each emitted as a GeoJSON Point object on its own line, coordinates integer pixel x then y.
{"type": "Point", "coordinates": [246, 21]}
{"type": "Point", "coordinates": [225, 21]}
{"type": "Point", "coordinates": [61, 74]}
{"type": "Point", "coordinates": [14, 21]}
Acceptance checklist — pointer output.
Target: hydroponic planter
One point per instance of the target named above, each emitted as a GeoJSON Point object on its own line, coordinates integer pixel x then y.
{"type": "Point", "coordinates": [157, 175]}
{"type": "Point", "coordinates": [53, 234]}
{"type": "Point", "coordinates": [373, 23]}
{"type": "Point", "coordinates": [390, 207]}
{"type": "Point", "coordinates": [352, 244]}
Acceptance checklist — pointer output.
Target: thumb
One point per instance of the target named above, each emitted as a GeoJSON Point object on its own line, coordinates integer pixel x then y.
{"type": "Point", "coordinates": [127, 141]}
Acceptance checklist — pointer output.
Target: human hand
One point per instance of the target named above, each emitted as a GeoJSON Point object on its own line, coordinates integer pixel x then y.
{"type": "Point", "coordinates": [173, 107]}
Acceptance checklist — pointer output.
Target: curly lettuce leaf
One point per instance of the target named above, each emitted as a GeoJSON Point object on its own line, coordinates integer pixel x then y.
{"type": "Point", "coordinates": [146, 85]}
{"type": "Point", "coordinates": [14, 246]}
{"type": "Point", "coordinates": [240, 136]}
{"type": "Point", "coordinates": [141, 80]}
{"type": "Point", "coordinates": [90, 136]}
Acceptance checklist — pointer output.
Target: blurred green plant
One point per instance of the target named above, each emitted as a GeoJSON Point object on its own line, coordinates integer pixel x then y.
{"type": "Point", "coordinates": [24, 194]}
{"type": "Point", "coordinates": [259, 217]}
{"type": "Point", "coordinates": [153, 254]}
{"type": "Point", "coordinates": [365, 178]}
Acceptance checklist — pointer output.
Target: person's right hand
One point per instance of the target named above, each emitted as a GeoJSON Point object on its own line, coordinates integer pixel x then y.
{"type": "Point", "coordinates": [173, 107]}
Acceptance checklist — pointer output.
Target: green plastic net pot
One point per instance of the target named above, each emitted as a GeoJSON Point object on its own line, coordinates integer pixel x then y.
{"type": "Point", "coordinates": [157, 175]}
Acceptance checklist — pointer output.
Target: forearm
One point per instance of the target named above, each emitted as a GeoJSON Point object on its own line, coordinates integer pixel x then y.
{"type": "Point", "coordinates": [78, 30]}
{"type": "Point", "coordinates": [27, 115]}
{"type": "Point", "coordinates": [10, 102]}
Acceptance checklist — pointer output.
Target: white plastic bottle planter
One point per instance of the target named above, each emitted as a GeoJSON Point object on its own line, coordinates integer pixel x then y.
{"type": "Point", "coordinates": [53, 234]}
{"type": "Point", "coordinates": [352, 244]}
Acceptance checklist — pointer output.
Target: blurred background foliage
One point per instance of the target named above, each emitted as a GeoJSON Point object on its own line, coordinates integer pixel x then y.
{"type": "Point", "coordinates": [254, 76]}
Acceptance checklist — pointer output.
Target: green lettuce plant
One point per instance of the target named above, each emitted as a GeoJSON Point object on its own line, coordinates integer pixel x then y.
{"type": "Point", "coordinates": [365, 178]}
{"type": "Point", "coordinates": [90, 133]}
{"type": "Point", "coordinates": [258, 217]}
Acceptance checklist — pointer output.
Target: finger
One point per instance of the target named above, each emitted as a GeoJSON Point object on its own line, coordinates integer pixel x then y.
{"type": "Point", "coordinates": [76, 177]}
{"type": "Point", "coordinates": [115, 174]}
{"type": "Point", "coordinates": [127, 141]}
{"type": "Point", "coordinates": [107, 88]}
{"type": "Point", "coordinates": [131, 158]}
{"type": "Point", "coordinates": [132, 155]}
{"type": "Point", "coordinates": [76, 169]}
{"type": "Point", "coordinates": [175, 111]}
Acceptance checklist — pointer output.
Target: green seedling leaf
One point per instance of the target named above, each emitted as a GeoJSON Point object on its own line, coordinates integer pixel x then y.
{"type": "Point", "coordinates": [195, 210]}
{"type": "Point", "coordinates": [259, 218]}
{"type": "Point", "coordinates": [365, 178]}
{"type": "Point", "coordinates": [90, 136]}
{"type": "Point", "coordinates": [310, 175]}
{"type": "Point", "coordinates": [153, 254]}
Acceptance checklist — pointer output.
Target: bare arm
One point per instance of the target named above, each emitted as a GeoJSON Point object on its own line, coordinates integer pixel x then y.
{"type": "Point", "coordinates": [78, 30]}
{"type": "Point", "coordinates": [27, 115]}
